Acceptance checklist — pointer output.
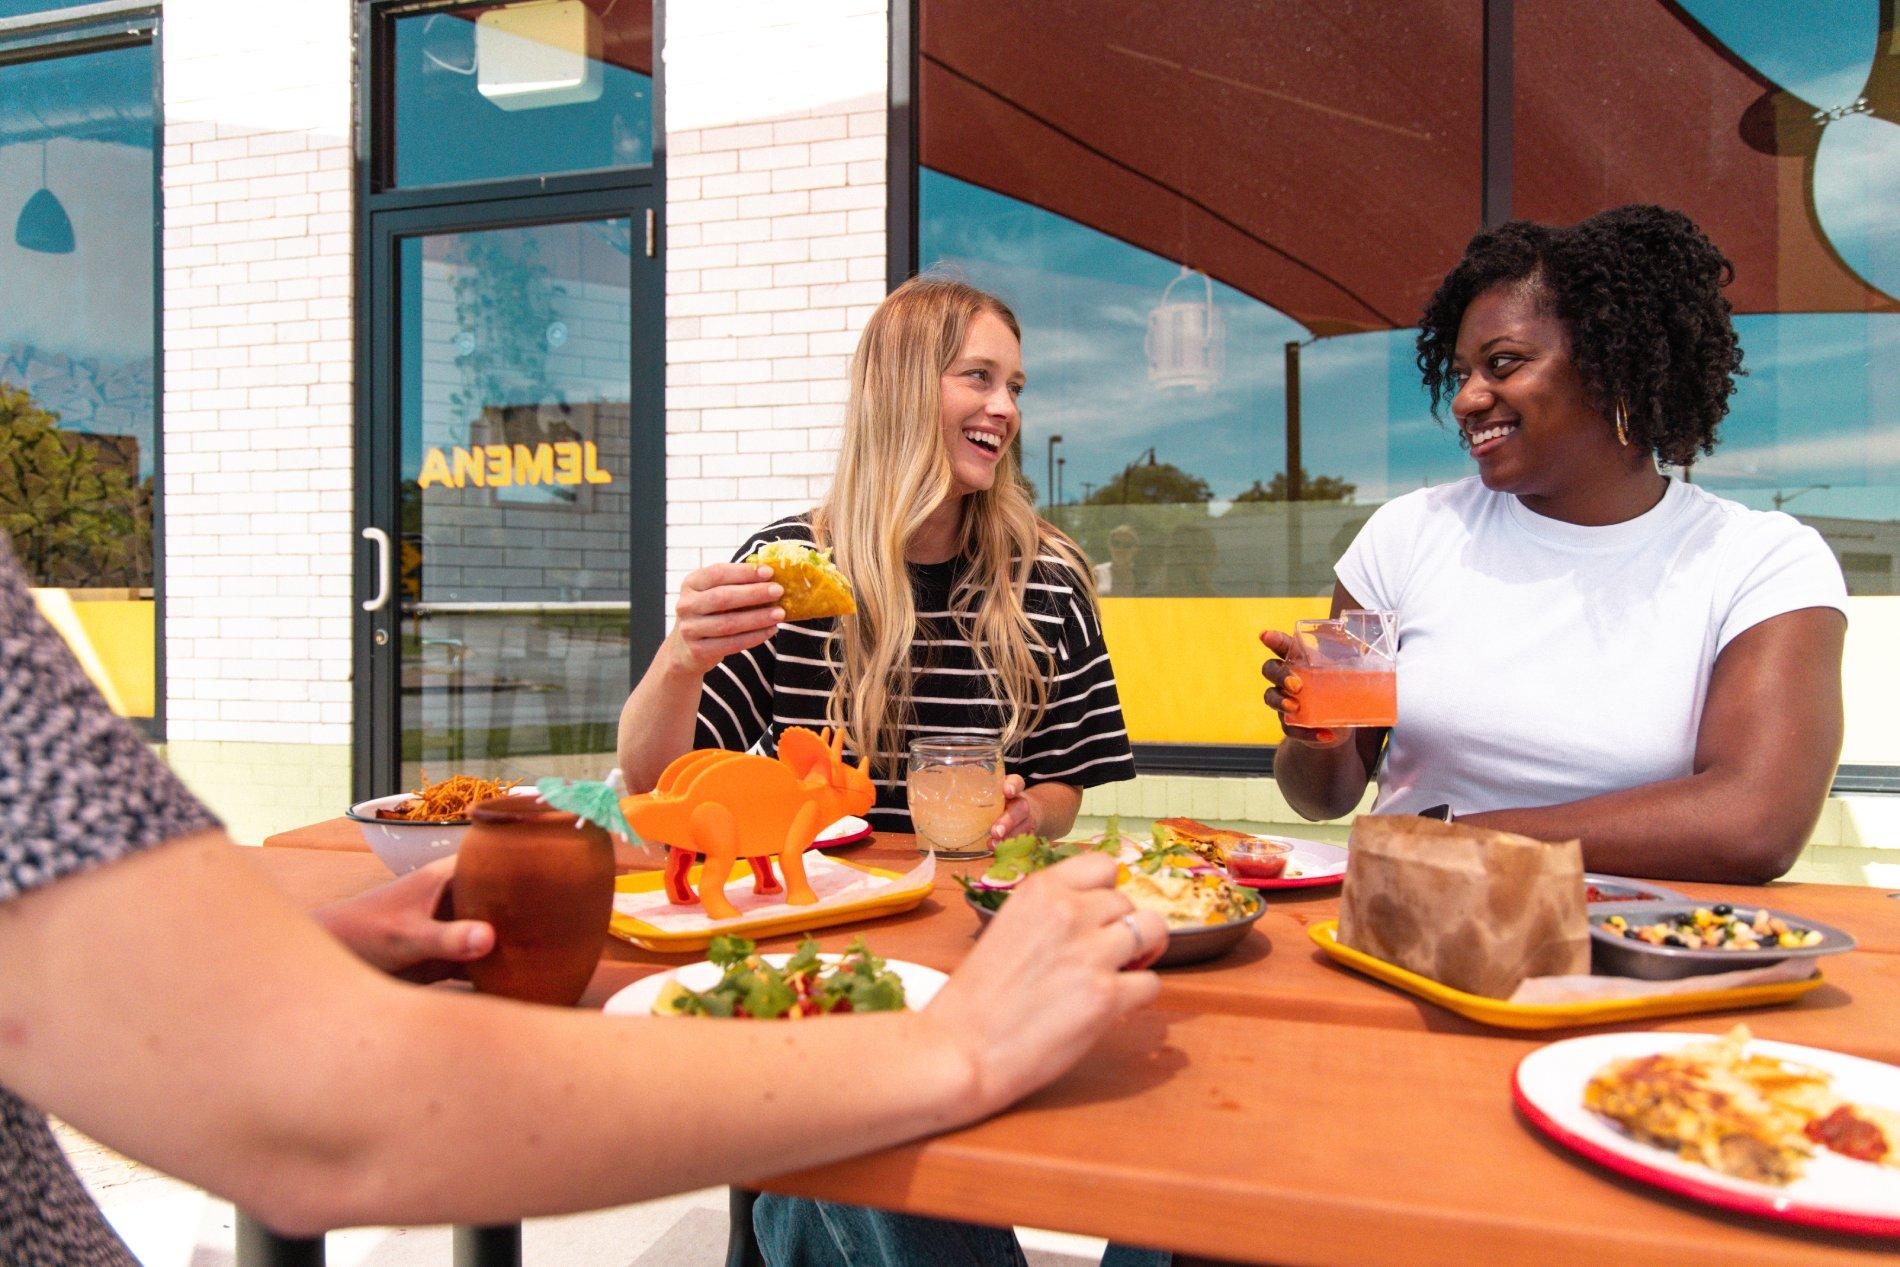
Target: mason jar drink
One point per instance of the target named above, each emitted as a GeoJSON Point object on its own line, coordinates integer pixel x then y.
{"type": "Point", "coordinates": [955, 786]}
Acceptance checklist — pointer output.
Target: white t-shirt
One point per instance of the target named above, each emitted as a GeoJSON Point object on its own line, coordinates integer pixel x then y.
{"type": "Point", "coordinates": [1541, 662]}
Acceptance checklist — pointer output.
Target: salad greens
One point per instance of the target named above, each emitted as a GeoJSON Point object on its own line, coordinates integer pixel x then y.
{"type": "Point", "coordinates": [1020, 856]}
{"type": "Point", "coordinates": [804, 986]}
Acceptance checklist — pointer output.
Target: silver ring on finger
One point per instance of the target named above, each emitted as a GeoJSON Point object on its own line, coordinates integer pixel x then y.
{"type": "Point", "coordinates": [1134, 930]}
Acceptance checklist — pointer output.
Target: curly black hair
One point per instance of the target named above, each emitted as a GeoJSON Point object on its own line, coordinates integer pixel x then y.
{"type": "Point", "coordinates": [1639, 290]}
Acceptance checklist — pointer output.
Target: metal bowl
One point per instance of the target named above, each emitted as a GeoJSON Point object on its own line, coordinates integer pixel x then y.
{"type": "Point", "coordinates": [1185, 945]}
{"type": "Point", "coordinates": [1619, 888]}
{"type": "Point", "coordinates": [1612, 954]}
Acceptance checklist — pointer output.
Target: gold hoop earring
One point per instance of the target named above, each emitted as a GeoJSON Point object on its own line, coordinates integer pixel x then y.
{"type": "Point", "coordinates": [1622, 425]}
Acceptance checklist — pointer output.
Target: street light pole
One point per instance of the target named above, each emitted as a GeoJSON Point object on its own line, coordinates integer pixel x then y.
{"type": "Point", "coordinates": [1060, 463]}
{"type": "Point", "coordinates": [1781, 501]}
{"type": "Point", "coordinates": [1049, 488]}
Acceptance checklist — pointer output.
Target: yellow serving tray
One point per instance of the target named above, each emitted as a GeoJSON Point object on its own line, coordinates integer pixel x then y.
{"type": "Point", "coordinates": [1551, 1015]}
{"type": "Point", "coordinates": [643, 934]}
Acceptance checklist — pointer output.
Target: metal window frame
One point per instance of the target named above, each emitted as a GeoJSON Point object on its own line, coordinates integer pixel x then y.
{"type": "Point", "coordinates": [76, 32]}
{"type": "Point", "coordinates": [902, 226]}
{"type": "Point", "coordinates": [381, 218]}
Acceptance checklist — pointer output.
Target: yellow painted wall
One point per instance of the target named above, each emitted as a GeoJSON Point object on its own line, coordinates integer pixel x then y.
{"type": "Point", "coordinates": [115, 641]}
{"type": "Point", "coordinates": [1189, 669]}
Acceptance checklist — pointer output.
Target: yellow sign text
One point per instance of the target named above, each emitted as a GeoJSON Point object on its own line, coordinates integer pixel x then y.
{"type": "Point", "coordinates": [508, 465]}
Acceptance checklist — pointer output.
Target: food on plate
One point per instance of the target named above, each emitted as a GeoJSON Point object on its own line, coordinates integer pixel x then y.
{"type": "Point", "coordinates": [1018, 857]}
{"type": "Point", "coordinates": [1860, 1131]}
{"type": "Point", "coordinates": [1245, 857]}
{"type": "Point", "coordinates": [1186, 899]}
{"type": "Point", "coordinates": [806, 985]}
{"type": "Point", "coordinates": [448, 800]}
{"type": "Point", "coordinates": [1717, 927]}
{"type": "Point", "coordinates": [1169, 878]}
{"type": "Point", "coordinates": [813, 584]}
{"type": "Point", "coordinates": [1739, 1113]}
{"type": "Point", "coordinates": [1591, 893]}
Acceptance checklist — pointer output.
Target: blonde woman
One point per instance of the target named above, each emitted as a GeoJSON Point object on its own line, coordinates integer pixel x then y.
{"type": "Point", "coordinates": [974, 616]}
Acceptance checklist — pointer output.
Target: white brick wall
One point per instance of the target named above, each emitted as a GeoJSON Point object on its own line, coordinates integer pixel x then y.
{"type": "Point", "coordinates": [775, 198]}
{"type": "Point", "coordinates": [258, 371]}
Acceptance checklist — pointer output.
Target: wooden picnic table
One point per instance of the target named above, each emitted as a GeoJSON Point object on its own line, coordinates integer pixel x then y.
{"type": "Point", "coordinates": [1273, 1107]}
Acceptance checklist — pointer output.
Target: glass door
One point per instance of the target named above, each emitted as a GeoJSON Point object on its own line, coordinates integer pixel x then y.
{"type": "Point", "coordinates": [517, 470]}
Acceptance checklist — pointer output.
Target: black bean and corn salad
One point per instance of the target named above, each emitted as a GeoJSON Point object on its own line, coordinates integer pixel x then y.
{"type": "Point", "coordinates": [1716, 927]}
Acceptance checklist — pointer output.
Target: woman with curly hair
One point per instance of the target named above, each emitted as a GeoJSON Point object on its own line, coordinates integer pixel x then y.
{"type": "Point", "coordinates": [1589, 647]}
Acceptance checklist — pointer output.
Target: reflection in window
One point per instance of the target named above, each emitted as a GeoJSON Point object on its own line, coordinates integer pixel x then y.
{"type": "Point", "coordinates": [1219, 230]}
{"type": "Point", "coordinates": [35, 8]}
{"type": "Point", "coordinates": [538, 88]}
{"type": "Point", "coordinates": [1216, 231]}
{"type": "Point", "coordinates": [1785, 148]}
{"type": "Point", "coordinates": [516, 436]}
{"type": "Point", "coordinates": [78, 415]}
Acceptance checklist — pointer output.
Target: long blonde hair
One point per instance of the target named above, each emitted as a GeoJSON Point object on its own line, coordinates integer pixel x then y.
{"type": "Point", "coordinates": [893, 471]}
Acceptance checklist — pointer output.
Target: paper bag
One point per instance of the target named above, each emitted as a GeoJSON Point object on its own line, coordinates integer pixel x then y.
{"type": "Point", "coordinates": [1475, 909]}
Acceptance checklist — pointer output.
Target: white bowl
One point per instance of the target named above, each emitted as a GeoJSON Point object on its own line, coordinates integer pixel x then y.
{"type": "Point", "coordinates": [403, 845]}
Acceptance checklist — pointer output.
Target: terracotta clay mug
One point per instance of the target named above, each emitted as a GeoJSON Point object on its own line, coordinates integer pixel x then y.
{"type": "Point", "coordinates": [545, 880]}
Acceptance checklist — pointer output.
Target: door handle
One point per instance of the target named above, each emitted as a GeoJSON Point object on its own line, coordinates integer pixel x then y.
{"type": "Point", "coordinates": [381, 539]}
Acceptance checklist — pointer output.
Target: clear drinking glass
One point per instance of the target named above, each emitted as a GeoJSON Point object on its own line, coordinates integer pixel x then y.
{"type": "Point", "coordinates": [956, 793]}
{"type": "Point", "coordinates": [1348, 670]}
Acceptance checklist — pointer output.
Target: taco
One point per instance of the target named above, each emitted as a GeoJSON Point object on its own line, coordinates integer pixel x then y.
{"type": "Point", "coordinates": [813, 584]}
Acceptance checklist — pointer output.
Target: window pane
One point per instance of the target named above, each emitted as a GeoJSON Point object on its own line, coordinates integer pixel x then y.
{"type": "Point", "coordinates": [534, 89]}
{"type": "Point", "coordinates": [77, 408]}
{"type": "Point", "coordinates": [1803, 206]}
{"type": "Point", "coordinates": [516, 372]}
{"type": "Point", "coordinates": [34, 8]}
{"type": "Point", "coordinates": [1168, 206]}
{"type": "Point", "coordinates": [1769, 131]}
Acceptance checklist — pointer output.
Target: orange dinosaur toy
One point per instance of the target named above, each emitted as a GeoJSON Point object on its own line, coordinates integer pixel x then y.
{"type": "Point", "coordinates": [732, 805]}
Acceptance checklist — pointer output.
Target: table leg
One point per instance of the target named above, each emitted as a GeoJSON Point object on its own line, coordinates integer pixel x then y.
{"type": "Point", "coordinates": [498, 1246]}
{"type": "Point", "coordinates": [258, 1246]}
{"type": "Point", "coordinates": [742, 1245]}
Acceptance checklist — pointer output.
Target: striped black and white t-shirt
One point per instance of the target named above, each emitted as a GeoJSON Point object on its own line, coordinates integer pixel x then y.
{"type": "Point", "coordinates": [751, 696]}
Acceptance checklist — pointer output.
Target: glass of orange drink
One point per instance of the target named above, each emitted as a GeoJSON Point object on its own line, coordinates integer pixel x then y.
{"type": "Point", "coordinates": [1348, 670]}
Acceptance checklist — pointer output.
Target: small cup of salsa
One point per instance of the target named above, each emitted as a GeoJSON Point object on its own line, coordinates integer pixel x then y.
{"type": "Point", "coordinates": [1256, 859]}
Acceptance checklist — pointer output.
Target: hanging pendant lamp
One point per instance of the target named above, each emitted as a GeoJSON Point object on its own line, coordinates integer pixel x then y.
{"type": "Point", "coordinates": [1187, 339]}
{"type": "Point", "coordinates": [44, 225]}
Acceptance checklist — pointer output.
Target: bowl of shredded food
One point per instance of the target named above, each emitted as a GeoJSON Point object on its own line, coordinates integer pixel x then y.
{"type": "Point", "coordinates": [412, 829]}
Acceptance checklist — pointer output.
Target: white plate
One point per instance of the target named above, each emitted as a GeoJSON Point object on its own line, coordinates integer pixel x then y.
{"type": "Point", "coordinates": [920, 983]}
{"type": "Point", "coordinates": [1316, 861]}
{"type": "Point", "coordinates": [1834, 1191]}
{"type": "Point", "coordinates": [848, 830]}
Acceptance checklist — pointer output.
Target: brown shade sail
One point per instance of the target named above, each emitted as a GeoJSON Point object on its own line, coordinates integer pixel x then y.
{"type": "Point", "coordinates": [1324, 158]}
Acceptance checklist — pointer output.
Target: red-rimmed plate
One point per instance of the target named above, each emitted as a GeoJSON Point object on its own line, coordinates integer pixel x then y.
{"type": "Point", "coordinates": [1317, 863]}
{"type": "Point", "coordinates": [1835, 1192]}
{"type": "Point", "coordinates": [846, 831]}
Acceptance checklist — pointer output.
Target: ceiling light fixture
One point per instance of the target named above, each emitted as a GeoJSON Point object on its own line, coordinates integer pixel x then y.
{"type": "Point", "coordinates": [44, 225]}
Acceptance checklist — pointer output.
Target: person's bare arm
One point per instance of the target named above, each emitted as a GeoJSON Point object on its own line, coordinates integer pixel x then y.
{"type": "Point", "coordinates": [1765, 755]}
{"type": "Point", "coordinates": [1322, 773]}
{"type": "Point", "coordinates": [180, 1011]}
{"type": "Point", "coordinates": [724, 608]}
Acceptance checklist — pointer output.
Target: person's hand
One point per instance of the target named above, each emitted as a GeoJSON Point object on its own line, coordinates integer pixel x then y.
{"type": "Point", "coordinates": [724, 608]}
{"type": "Point", "coordinates": [1283, 696]}
{"type": "Point", "coordinates": [403, 928]}
{"type": "Point", "coordinates": [1019, 812]}
{"type": "Point", "coordinates": [1047, 979]}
